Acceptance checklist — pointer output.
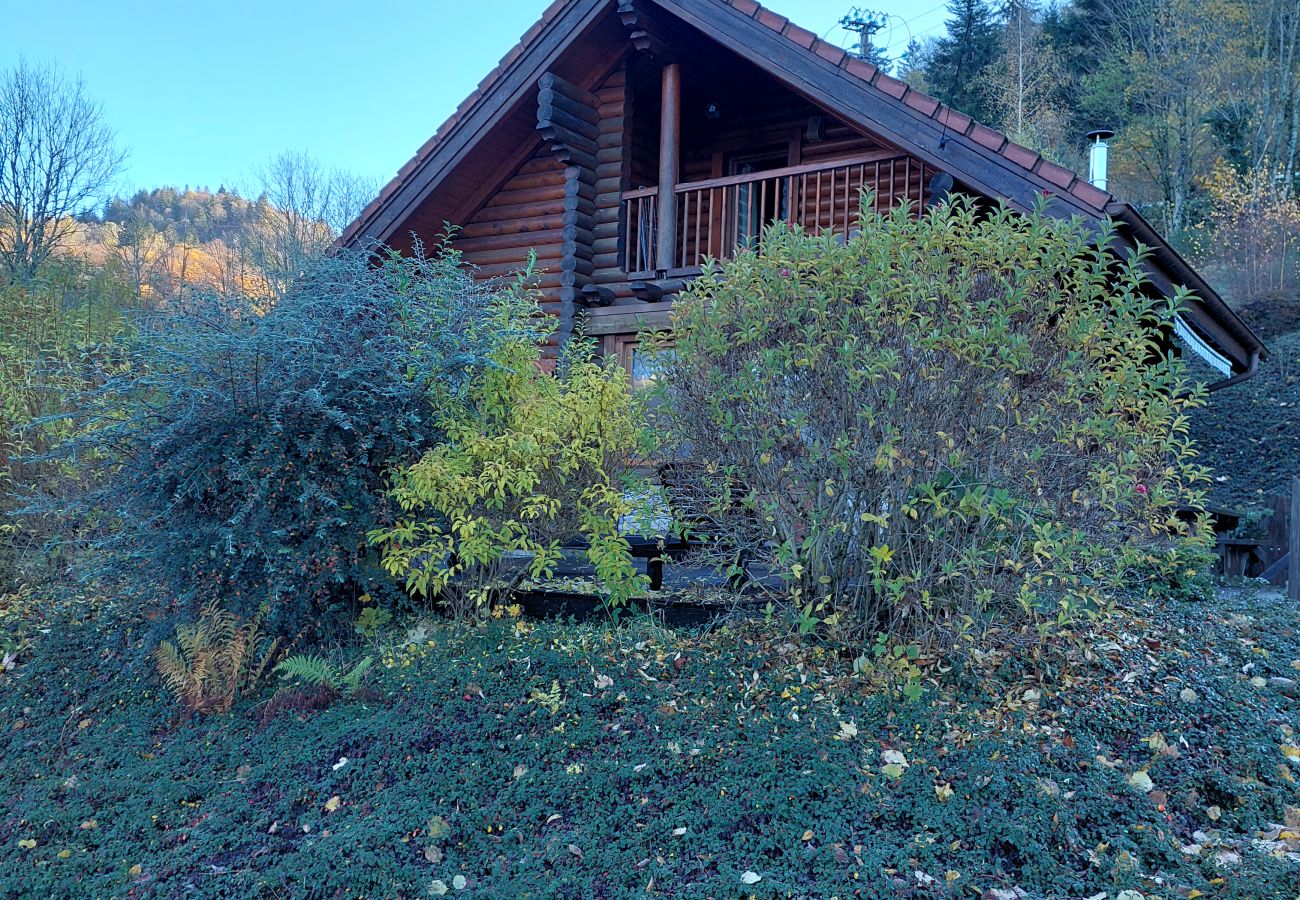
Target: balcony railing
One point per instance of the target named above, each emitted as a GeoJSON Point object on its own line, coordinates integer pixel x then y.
{"type": "Point", "coordinates": [717, 216]}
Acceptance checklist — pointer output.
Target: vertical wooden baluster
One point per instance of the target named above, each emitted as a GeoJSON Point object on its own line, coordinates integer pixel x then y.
{"type": "Point", "coordinates": [713, 214]}
{"type": "Point", "coordinates": [686, 222]}
{"type": "Point", "coordinates": [817, 203]}
{"type": "Point", "coordinates": [847, 180]}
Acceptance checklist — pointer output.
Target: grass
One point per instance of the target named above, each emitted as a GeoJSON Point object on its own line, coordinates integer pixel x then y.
{"type": "Point", "coordinates": [551, 760]}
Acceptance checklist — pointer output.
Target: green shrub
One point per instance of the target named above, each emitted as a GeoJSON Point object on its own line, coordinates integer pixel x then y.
{"type": "Point", "coordinates": [937, 426]}
{"type": "Point", "coordinates": [243, 453]}
{"type": "Point", "coordinates": [54, 343]}
{"type": "Point", "coordinates": [531, 459]}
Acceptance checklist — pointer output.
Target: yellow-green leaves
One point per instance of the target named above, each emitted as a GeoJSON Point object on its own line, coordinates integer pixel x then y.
{"type": "Point", "coordinates": [530, 460]}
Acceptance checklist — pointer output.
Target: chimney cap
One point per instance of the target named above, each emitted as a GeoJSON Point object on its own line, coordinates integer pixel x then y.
{"type": "Point", "coordinates": [1101, 134]}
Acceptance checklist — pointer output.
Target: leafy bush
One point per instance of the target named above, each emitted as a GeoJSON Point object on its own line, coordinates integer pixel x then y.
{"type": "Point", "coordinates": [57, 331]}
{"type": "Point", "coordinates": [942, 424]}
{"type": "Point", "coordinates": [243, 453]}
{"type": "Point", "coordinates": [530, 460]}
{"type": "Point", "coordinates": [215, 660]}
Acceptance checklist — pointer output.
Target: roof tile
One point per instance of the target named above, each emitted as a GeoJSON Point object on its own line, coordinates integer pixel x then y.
{"type": "Point", "coordinates": [860, 68]}
{"type": "Point", "coordinates": [1057, 175]}
{"type": "Point", "coordinates": [987, 137]}
{"type": "Point", "coordinates": [801, 36]}
{"type": "Point", "coordinates": [1090, 194]}
{"type": "Point", "coordinates": [831, 53]}
{"type": "Point", "coordinates": [748, 7]}
{"type": "Point", "coordinates": [772, 20]}
{"type": "Point", "coordinates": [923, 102]}
{"type": "Point", "coordinates": [954, 120]}
{"type": "Point", "coordinates": [891, 86]}
{"type": "Point", "coordinates": [1020, 155]}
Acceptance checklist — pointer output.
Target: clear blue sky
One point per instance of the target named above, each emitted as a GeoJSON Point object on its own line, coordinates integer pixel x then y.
{"type": "Point", "coordinates": [201, 93]}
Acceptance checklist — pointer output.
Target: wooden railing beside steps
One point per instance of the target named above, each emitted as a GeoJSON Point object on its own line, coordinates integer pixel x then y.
{"type": "Point", "coordinates": [717, 216]}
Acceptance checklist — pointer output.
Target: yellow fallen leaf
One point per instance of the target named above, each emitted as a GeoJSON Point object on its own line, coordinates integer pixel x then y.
{"type": "Point", "coordinates": [27, 844]}
{"type": "Point", "coordinates": [135, 870]}
{"type": "Point", "coordinates": [83, 724]}
{"type": "Point", "coordinates": [807, 836]}
{"type": "Point", "coordinates": [1290, 751]}
{"type": "Point", "coordinates": [64, 853]}
{"type": "Point", "coordinates": [333, 803]}
{"type": "Point", "coordinates": [1141, 781]}
{"type": "Point", "coordinates": [943, 792]}
{"type": "Point", "coordinates": [89, 824]}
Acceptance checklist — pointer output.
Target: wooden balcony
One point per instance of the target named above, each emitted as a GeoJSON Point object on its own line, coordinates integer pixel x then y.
{"type": "Point", "coordinates": [717, 216]}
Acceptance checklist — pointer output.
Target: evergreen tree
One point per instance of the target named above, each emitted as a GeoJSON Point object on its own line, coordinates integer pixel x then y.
{"type": "Point", "coordinates": [955, 69]}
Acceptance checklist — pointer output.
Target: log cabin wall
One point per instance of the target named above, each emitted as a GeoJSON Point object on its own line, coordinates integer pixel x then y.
{"type": "Point", "coordinates": [615, 108]}
{"type": "Point", "coordinates": [758, 120]}
{"type": "Point", "coordinates": [525, 214]}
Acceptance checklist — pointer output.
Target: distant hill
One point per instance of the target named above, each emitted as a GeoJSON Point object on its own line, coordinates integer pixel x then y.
{"type": "Point", "coordinates": [195, 216]}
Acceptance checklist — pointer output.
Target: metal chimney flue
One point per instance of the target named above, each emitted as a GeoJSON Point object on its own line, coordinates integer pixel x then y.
{"type": "Point", "coordinates": [1099, 157]}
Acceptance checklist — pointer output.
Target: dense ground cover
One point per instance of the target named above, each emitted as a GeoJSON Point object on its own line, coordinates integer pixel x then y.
{"type": "Point", "coordinates": [1248, 434]}
{"type": "Point", "coordinates": [534, 759]}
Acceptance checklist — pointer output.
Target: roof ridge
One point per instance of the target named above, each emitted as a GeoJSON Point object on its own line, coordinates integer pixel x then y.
{"type": "Point", "coordinates": [462, 109]}
{"type": "Point", "coordinates": [958, 123]}
{"type": "Point", "coordinates": [955, 121]}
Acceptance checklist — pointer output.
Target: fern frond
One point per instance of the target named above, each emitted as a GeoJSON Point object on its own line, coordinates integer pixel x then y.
{"type": "Point", "coordinates": [309, 668]}
{"type": "Point", "coordinates": [352, 680]}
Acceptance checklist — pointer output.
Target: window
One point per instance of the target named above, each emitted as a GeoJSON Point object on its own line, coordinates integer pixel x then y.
{"type": "Point", "coordinates": [758, 203]}
{"type": "Point", "coordinates": [641, 365]}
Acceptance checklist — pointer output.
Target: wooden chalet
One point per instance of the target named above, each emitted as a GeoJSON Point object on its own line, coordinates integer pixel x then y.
{"type": "Point", "coordinates": [624, 141]}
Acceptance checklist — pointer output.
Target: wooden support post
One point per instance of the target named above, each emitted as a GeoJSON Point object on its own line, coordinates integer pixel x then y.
{"type": "Point", "coordinates": [1293, 579]}
{"type": "Point", "coordinates": [670, 125]}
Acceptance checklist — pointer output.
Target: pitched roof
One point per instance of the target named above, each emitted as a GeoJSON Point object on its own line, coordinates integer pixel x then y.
{"type": "Point", "coordinates": [854, 89]}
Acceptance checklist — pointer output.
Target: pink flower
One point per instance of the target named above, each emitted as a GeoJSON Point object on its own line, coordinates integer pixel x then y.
{"type": "Point", "coordinates": [1142, 489]}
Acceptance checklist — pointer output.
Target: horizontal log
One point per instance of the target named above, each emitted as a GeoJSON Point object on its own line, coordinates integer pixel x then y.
{"type": "Point", "coordinates": [556, 93]}
{"type": "Point", "coordinates": [531, 225]}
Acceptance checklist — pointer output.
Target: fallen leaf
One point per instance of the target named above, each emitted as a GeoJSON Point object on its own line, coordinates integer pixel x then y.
{"type": "Point", "coordinates": [333, 803]}
{"type": "Point", "coordinates": [943, 791]}
{"type": "Point", "coordinates": [438, 828]}
{"type": "Point", "coordinates": [678, 832]}
{"type": "Point", "coordinates": [520, 772]}
{"type": "Point", "coordinates": [437, 888]}
{"type": "Point", "coordinates": [1141, 781]}
{"type": "Point", "coordinates": [893, 757]}
{"type": "Point", "coordinates": [750, 878]}
{"type": "Point", "coordinates": [135, 870]}
{"type": "Point", "coordinates": [459, 882]}
{"type": "Point", "coordinates": [848, 730]}
{"type": "Point", "coordinates": [575, 850]}
{"type": "Point", "coordinates": [807, 836]}
{"type": "Point", "coordinates": [1187, 695]}
{"type": "Point", "coordinates": [433, 854]}
{"type": "Point", "coordinates": [27, 844]}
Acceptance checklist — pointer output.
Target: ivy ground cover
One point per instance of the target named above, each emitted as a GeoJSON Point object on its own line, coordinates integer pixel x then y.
{"type": "Point", "coordinates": [528, 759]}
